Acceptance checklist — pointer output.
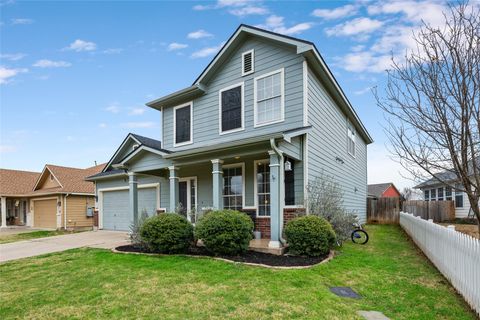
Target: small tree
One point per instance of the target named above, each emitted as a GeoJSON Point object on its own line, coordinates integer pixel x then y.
{"type": "Point", "coordinates": [135, 227]}
{"type": "Point", "coordinates": [432, 103]}
{"type": "Point", "coordinates": [325, 199]}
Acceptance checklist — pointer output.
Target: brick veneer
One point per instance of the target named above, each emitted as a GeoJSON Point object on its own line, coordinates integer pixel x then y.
{"type": "Point", "coordinates": [263, 224]}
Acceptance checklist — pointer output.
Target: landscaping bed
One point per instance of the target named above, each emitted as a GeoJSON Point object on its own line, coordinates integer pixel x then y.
{"type": "Point", "coordinates": [250, 256]}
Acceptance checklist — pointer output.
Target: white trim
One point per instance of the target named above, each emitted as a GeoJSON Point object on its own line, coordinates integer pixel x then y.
{"type": "Point", "coordinates": [41, 175]}
{"type": "Point", "coordinates": [305, 172]}
{"type": "Point", "coordinates": [242, 106]}
{"type": "Point", "coordinates": [175, 144]}
{"type": "Point", "coordinates": [238, 165]}
{"type": "Point", "coordinates": [252, 51]}
{"type": "Point", "coordinates": [140, 186]}
{"type": "Point", "coordinates": [305, 92]}
{"type": "Point", "coordinates": [32, 212]}
{"type": "Point", "coordinates": [188, 180]}
{"type": "Point", "coordinates": [255, 187]}
{"type": "Point", "coordinates": [118, 150]}
{"type": "Point", "coordinates": [134, 153]}
{"type": "Point", "coordinates": [282, 97]}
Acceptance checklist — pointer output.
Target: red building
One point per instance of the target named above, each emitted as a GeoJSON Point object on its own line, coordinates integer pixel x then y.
{"type": "Point", "coordinates": [383, 190]}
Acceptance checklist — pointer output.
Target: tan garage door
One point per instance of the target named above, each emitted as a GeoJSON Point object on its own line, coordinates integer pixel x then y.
{"type": "Point", "coordinates": [45, 213]}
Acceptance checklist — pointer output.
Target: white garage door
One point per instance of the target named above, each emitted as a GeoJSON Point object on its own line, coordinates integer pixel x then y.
{"type": "Point", "coordinates": [115, 209]}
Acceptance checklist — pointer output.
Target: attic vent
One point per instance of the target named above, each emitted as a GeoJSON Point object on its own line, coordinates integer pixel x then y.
{"type": "Point", "coordinates": [135, 146]}
{"type": "Point", "coordinates": [247, 62]}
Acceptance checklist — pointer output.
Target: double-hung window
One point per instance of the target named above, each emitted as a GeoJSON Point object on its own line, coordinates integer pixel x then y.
{"type": "Point", "coordinates": [459, 196]}
{"type": "Point", "coordinates": [231, 108]}
{"type": "Point", "coordinates": [433, 194]}
{"type": "Point", "coordinates": [233, 187]}
{"type": "Point", "coordinates": [440, 194]}
{"type": "Point", "coordinates": [182, 118]}
{"type": "Point", "coordinates": [269, 98]}
{"type": "Point", "coordinates": [426, 195]}
{"type": "Point", "coordinates": [448, 193]}
{"type": "Point", "coordinates": [351, 139]}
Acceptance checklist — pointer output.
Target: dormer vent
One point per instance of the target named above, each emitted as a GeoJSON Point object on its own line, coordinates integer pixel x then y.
{"type": "Point", "coordinates": [248, 63]}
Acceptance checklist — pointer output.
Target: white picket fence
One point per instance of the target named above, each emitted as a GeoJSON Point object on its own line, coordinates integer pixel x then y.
{"type": "Point", "coordinates": [455, 254]}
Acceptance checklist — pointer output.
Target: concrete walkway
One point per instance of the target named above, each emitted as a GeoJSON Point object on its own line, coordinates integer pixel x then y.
{"type": "Point", "coordinates": [93, 239]}
{"type": "Point", "coordinates": [12, 230]}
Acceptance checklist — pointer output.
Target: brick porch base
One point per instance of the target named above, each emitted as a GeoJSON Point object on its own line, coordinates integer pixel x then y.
{"type": "Point", "coordinates": [262, 224]}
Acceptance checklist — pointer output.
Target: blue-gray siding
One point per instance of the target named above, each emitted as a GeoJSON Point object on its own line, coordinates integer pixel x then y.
{"type": "Point", "coordinates": [268, 57]}
{"type": "Point", "coordinates": [327, 141]}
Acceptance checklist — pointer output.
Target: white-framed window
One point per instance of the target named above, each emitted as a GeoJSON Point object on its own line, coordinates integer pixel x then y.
{"type": "Point", "coordinates": [231, 108]}
{"type": "Point", "coordinates": [234, 186]}
{"type": "Point", "coordinates": [459, 196]}
{"type": "Point", "coordinates": [262, 187]}
{"type": "Point", "coordinates": [440, 194]}
{"type": "Point", "coordinates": [448, 193]}
{"type": "Point", "coordinates": [433, 194]}
{"type": "Point", "coordinates": [248, 62]}
{"type": "Point", "coordinates": [426, 195]}
{"type": "Point", "coordinates": [269, 98]}
{"type": "Point", "coordinates": [351, 139]}
{"type": "Point", "coordinates": [183, 124]}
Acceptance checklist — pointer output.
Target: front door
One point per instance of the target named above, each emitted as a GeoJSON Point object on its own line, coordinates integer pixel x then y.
{"type": "Point", "coordinates": [187, 197]}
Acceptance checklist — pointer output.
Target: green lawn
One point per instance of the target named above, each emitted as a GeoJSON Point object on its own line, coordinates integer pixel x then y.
{"type": "Point", "coordinates": [30, 235]}
{"type": "Point", "coordinates": [388, 272]}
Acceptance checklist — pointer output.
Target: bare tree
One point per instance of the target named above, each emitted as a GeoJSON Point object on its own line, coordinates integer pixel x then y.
{"type": "Point", "coordinates": [432, 103]}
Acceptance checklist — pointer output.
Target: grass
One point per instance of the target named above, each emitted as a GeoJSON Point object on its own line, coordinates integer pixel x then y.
{"type": "Point", "coordinates": [30, 235]}
{"type": "Point", "coordinates": [389, 272]}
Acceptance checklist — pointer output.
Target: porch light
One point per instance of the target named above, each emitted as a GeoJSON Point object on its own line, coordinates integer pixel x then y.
{"type": "Point", "coordinates": [288, 166]}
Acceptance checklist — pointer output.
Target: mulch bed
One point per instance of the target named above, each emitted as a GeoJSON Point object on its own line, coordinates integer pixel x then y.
{"type": "Point", "coordinates": [249, 257]}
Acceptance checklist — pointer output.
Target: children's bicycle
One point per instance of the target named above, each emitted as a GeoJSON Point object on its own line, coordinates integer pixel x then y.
{"type": "Point", "coordinates": [359, 235]}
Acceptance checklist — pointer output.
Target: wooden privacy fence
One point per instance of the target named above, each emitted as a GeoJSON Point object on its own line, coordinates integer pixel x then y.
{"type": "Point", "coordinates": [456, 255]}
{"type": "Point", "coordinates": [439, 211]}
{"type": "Point", "coordinates": [383, 210]}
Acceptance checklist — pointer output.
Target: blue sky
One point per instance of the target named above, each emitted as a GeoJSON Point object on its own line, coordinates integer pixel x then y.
{"type": "Point", "coordinates": [75, 76]}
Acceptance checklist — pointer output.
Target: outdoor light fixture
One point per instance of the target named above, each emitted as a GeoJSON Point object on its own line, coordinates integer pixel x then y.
{"type": "Point", "coordinates": [288, 166]}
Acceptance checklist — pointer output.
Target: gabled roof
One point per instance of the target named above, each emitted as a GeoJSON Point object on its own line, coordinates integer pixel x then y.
{"type": "Point", "coordinates": [378, 189]}
{"type": "Point", "coordinates": [71, 180]}
{"type": "Point", "coordinates": [17, 182]}
{"type": "Point", "coordinates": [447, 176]}
{"type": "Point", "coordinates": [306, 48]}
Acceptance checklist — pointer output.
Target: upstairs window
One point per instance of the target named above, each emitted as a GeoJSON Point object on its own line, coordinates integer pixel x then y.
{"type": "Point", "coordinates": [183, 124]}
{"type": "Point", "coordinates": [248, 65]}
{"type": "Point", "coordinates": [351, 140]}
{"type": "Point", "coordinates": [231, 108]}
{"type": "Point", "coordinates": [269, 98]}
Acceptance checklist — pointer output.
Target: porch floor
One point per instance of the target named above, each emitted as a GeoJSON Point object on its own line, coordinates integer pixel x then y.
{"type": "Point", "coordinates": [261, 245]}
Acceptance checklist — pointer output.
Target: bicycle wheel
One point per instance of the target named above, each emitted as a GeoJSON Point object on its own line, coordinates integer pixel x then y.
{"type": "Point", "coordinates": [359, 236]}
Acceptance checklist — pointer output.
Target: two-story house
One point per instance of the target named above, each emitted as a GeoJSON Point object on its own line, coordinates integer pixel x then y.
{"type": "Point", "coordinates": [265, 118]}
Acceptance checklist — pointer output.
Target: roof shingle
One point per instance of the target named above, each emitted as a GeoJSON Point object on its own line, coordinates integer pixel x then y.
{"type": "Point", "coordinates": [17, 182]}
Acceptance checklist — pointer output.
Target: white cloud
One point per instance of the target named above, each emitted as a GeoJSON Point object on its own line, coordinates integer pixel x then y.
{"type": "Point", "coordinates": [113, 51]}
{"type": "Point", "coordinates": [134, 125]}
{"type": "Point", "coordinates": [207, 51]}
{"type": "Point", "coordinates": [199, 34]}
{"type": "Point", "coordinates": [276, 24]}
{"type": "Point", "coordinates": [413, 11]}
{"type": "Point", "coordinates": [7, 148]}
{"type": "Point", "coordinates": [102, 125]}
{"type": "Point", "coordinates": [137, 111]}
{"type": "Point", "coordinates": [239, 8]}
{"type": "Point", "coordinates": [363, 91]}
{"type": "Point", "coordinates": [6, 74]}
{"type": "Point", "coordinates": [200, 7]}
{"type": "Point", "coordinates": [81, 45]}
{"type": "Point", "coordinates": [356, 26]}
{"type": "Point", "coordinates": [365, 61]}
{"type": "Point", "coordinates": [22, 21]}
{"type": "Point", "coordinates": [113, 108]}
{"type": "Point", "coordinates": [176, 46]}
{"type": "Point", "coordinates": [249, 10]}
{"type": "Point", "coordinates": [337, 13]}
{"type": "Point", "coordinates": [51, 64]}
{"type": "Point", "coordinates": [13, 56]}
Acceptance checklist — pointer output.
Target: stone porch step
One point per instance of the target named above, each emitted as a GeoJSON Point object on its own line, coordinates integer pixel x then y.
{"type": "Point", "coordinates": [262, 246]}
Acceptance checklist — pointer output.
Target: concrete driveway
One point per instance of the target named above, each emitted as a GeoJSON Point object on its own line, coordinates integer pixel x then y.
{"type": "Point", "coordinates": [93, 239]}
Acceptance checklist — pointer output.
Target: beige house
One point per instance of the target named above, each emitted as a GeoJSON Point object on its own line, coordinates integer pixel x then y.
{"type": "Point", "coordinates": [56, 198]}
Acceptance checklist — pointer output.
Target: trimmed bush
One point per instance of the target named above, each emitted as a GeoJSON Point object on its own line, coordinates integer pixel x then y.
{"type": "Point", "coordinates": [167, 233]}
{"type": "Point", "coordinates": [309, 235]}
{"type": "Point", "coordinates": [225, 232]}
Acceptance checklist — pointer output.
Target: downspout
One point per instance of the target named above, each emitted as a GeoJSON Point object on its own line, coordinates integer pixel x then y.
{"type": "Point", "coordinates": [65, 211]}
{"type": "Point", "coordinates": [282, 187]}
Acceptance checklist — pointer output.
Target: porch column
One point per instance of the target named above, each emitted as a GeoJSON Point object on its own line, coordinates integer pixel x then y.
{"type": "Point", "coordinates": [173, 188]}
{"type": "Point", "coordinates": [274, 200]}
{"type": "Point", "coordinates": [4, 212]}
{"type": "Point", "coordinates": [217, 176]}
{"type": "Point", "coordinates": [133, 195]}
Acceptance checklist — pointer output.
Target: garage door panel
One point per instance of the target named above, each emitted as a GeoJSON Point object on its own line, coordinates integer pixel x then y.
{"type": "Point", "coordinates": [45, 213]}
{"type": "Point", "coordinates": [115, 209]}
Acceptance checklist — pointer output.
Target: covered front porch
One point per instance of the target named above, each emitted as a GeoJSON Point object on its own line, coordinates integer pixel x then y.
{"type": "Point", "coordinates": [13, 211]}
{"type": "Point", "coordinates": [264, 179]}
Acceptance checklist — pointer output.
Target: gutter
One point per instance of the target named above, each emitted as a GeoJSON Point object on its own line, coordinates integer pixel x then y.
{"type": "Point", "coordinates": [65, 210]}
{"type": "Point", "coordinates": [281, 191]}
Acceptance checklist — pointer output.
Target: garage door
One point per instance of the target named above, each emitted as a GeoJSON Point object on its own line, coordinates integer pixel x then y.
{"type": "Point", "coordinates": [45, 213]}
{"type": "Point", "coordinates": [116, 206]}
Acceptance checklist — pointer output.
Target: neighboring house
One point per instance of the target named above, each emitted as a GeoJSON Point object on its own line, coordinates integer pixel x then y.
{"type": "Point", "coordinates": [383, 190]}
{"type": "Point", "coordinates": [265, 118]}
{"type": "Point", "coordinates": [434, 190]}
{"type": "Point", "coordinates": [58, 197]}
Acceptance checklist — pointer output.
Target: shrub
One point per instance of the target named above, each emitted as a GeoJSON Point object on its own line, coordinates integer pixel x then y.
{"type": "Point", "coordinates": [325, 199]}
{"type": "Point", "coordinates": [309, 235]}
{"type": "Point", "coordinates": [226, 232]}
{"type": "Point", "coordinates": [135, 227]}
{"type": "Point", "coordinates": [167, 233]}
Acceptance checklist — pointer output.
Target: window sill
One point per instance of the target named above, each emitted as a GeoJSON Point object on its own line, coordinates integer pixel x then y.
{"type": "Point", "coordinates": [231, 131]}
{"type": "Point", "coordinates": [256, 125]}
